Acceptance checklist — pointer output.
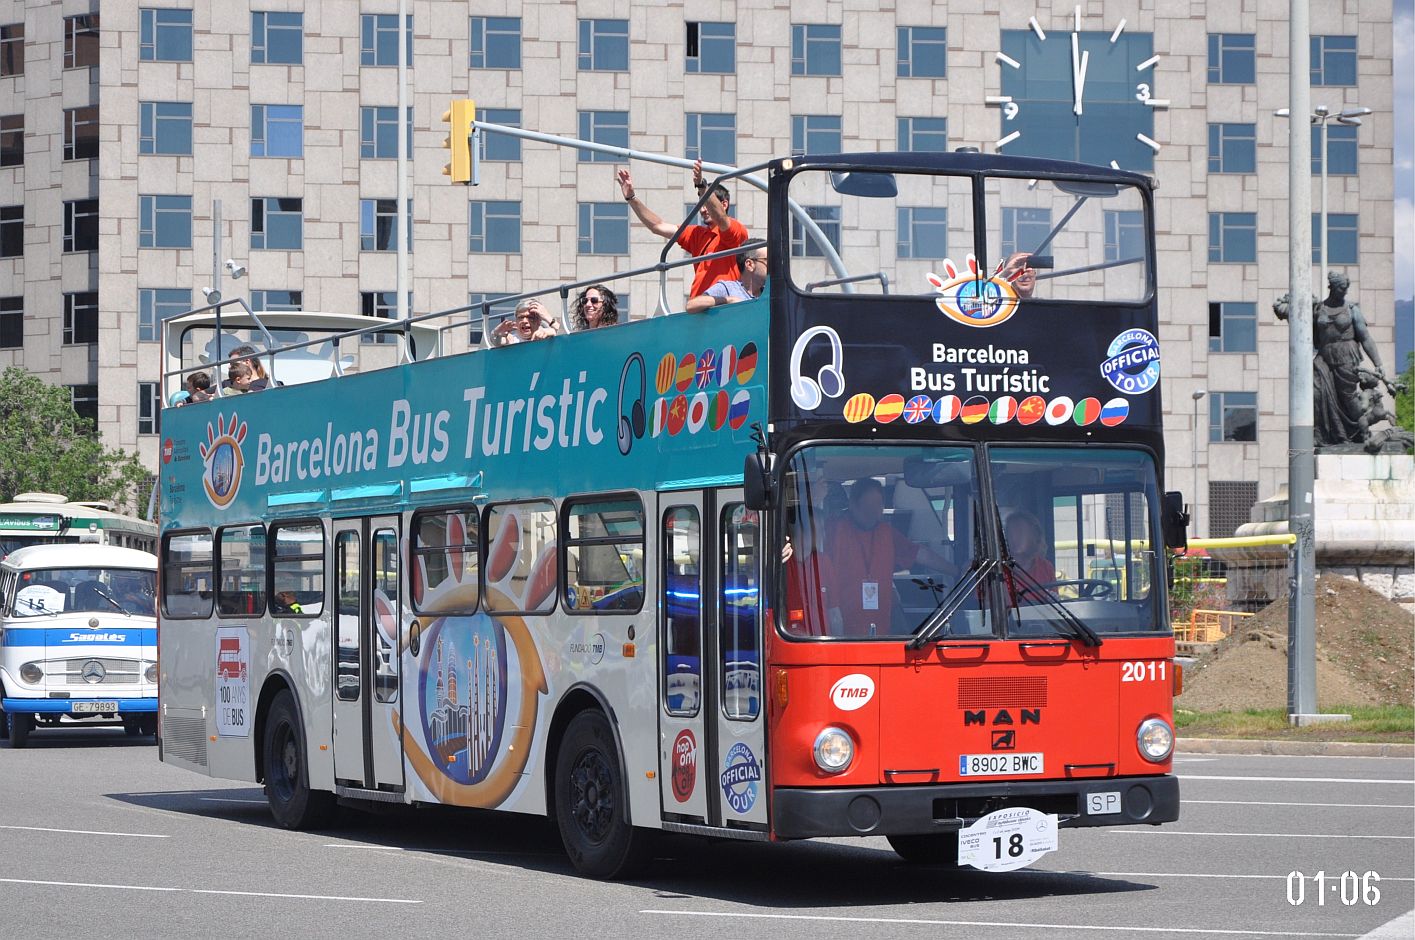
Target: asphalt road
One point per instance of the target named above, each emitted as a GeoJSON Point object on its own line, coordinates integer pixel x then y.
{"type": "Point", "coordinates": [97, 839]}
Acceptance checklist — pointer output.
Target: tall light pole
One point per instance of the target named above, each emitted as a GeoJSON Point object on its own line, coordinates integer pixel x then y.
{"type": "Point", "coordinates": [1198, 396]}
{"type": "Point", "coordinates": [1321, 115]}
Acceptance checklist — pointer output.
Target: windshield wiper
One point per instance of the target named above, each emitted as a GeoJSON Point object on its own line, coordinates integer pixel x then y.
{"type": "Point", "coordinates": [936, 621]}
{"type": "Point", "coordinates": [110, 599]}
{"type": "Point", "coordinates": [1075, 625]}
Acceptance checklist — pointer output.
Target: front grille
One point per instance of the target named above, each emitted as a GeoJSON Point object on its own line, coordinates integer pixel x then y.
{"type": "Point", "coordinates": [1003, 692]}
{"type": "Point", "coordinates": [115, 671]}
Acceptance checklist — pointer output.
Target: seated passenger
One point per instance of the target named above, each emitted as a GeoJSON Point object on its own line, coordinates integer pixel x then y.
{"type": "Point", "coordinates": [596, 306]}
{"type": "Point", "coordinates": [1025, 540]}
{"type": "Point", "coordinates": [530, 322]}
{"type": "Point", "coordinates": [284, 602]}
{"type": "Point", "coordinates": [239, 378]}
{"type": "Point", "coordinates": [1020, 274]}
{"type": "Point", "coordinates": [197, 387]}
{"type": "Point", "coordinates": [259, 379]}
{"type": "Point", "coordinates": [749, 287]}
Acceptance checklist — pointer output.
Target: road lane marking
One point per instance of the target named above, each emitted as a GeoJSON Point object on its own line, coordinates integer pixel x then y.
{"type": "Point", "coordinates": [1267, 803]}
{"type": "Point", "coordinates": [1246, 835]}
{"type": "Point", "coordinates": [1405, 783]}
{"type": "Point", "coordinates": [427, 851]}
{"type": "Point", "coordinates": [169, 890]}
{"type": "Point", "coordinates": [835, 918]}
{"type": "Point", "coordinates": [227, 799]}
{"type": "Point", "coordinates": [88, 832]}
{"type": "Point", "coordinates": [1186, 874]}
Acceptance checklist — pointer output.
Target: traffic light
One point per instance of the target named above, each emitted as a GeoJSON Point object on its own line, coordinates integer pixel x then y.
{"type": "Point", "coordinates": [460, 117]}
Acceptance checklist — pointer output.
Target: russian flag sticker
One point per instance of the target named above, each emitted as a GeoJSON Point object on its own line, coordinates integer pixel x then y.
{"type": "Point", "coordinates": [1115, 412]}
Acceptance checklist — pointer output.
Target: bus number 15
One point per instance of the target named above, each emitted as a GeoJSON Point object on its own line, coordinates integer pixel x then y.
{"type": "Point", "coordinates": [1140, 672]}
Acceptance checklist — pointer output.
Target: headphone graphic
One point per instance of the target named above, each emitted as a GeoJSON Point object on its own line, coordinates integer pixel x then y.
{"type": "Point", "coordinates": [631, 425]}
{"type": "Point", "coordinates": [829, 382]}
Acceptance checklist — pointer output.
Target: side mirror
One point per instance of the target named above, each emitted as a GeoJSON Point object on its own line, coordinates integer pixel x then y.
{"type": "Point", "coordinates": [756, 481]}
{"type": "Point", "coordinates": [1174, 521]}
{"type": "Point", "coordinates": [866, 183]}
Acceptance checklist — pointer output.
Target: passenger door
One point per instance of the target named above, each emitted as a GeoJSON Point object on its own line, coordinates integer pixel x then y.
{"type": "Point", "coordinates": [368, 750]}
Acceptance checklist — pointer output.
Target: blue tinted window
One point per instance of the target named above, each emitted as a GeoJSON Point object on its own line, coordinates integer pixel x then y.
{"type": "Point", "coordinates": [1232, 59]}
{"type": "Point", "coordinates": [815, 49]}
{"type": "Point", "coordinates": [276, 300]}
{"type": "Point", "coordinates": [277, 38]}
{"type": "Point", "coordinates": [1342, 237]}
{"type": "Point", "coordinates": [165, 35]}
{"type": "Point", "coordinates": [378, 224]}
{"type": "Point", "coordinates": [164, 221]}
{"type": "Point", "coordinates": [1024, 229]}
{"type": "Point", "coordinates": [165, 127]}
{"type": "Point", "coordinates": [156, 304]}
{"type": "Point", "coordinates": [815, 133]}
{"type": "Point", "coordinates": [498, 311]}
{"type": "Point", "coordinates": [495, 42]}
{"type": "Point", "coordinates": [923, 134]}
{"type": "Point", "coordinates": [494, 228]}
{"type": "Point", "coordinates": [378, 39]}
{"type": "Point", "coordinates": [1233, 237]}
{"type": "Point", "coordinates": [712, 137]}
{"type": "Point", "coordinates": [277, 223]}
{"type": "Point", "coordinates": [922, 52]}
{"type": "Point", "coordinates": [1233, 148]}
{"type": "Point", "coordinates": [711, 47]}
{"type": "Point", "coordinates": [500, 147]}
{"type": "Point", "coordinates": [1233, 416]}
{"type": "Point", "coordinates": [277, 130]}
{"type": "Point", "coordinates": [603, 127]}
{"type": "Point", "coordinates": [603, 228]}
{"type": "Point", "coordinates": [805, 244]}
{"type": "Point", "coordinates": [1233, 327]}
{"type": "Point", "coordinates": [378, 133]}
{"type": "Point", "coordinates": [1342, 154]}
{"type": "Point", "coordinates": [604, 46]}
{"type": "Point", "coordinates": [923, 232]}
{"type": "Point", "coordinates": [1333, 60]}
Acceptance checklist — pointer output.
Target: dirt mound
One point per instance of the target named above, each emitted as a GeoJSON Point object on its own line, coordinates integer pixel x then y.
{"type": "Point", "coordinates": [1365, 655]}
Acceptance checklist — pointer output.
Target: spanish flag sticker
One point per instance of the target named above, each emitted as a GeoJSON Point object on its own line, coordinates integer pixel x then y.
{"type": "Point", "coordinates": [889, 408]}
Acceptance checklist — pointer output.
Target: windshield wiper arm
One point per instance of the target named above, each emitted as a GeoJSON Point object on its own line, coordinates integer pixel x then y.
{"type": "Point", "coordinates": [936, 621]}
{"type": "Point", "coordinates": [110, 599]}
{"type": "Point", "coordinates": [1075, 625]}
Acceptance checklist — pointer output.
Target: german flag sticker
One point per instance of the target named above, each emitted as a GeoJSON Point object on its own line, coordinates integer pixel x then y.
{"type": "Point", "coordinates": [746, 363]}
{"type": "Point", "coordinates": [859, 407]}
{"type": "Point", "coordinates": [975, 409]}
{"type": "Point", "coordinates": [889, 408]}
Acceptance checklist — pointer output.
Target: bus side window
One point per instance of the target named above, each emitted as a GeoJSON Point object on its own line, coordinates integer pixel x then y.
{"type": "Point", "coordinates": [347, 680]}
{"type": "Point", "coordinates": [683, 611]}
{"type": "Point", "coordinates": [738, 612]}
{"type": "Point", "coordinates": [297, 569]}
{"type": "Point", "coordinates": [521, 557]}
{"type": "Point", "coordinates": [186, 575]}
{"type": "Point", "coordinates": [604, 556]}
{"type": "Point", "coordinates": [240, 557]}
{"type": "Point", "coordinates": [446, 560]}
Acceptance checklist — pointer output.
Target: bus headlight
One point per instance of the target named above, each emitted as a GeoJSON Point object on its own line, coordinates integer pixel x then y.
{"type": "Point", "coordinates": [151, 674]}
{"type": "Point", "coordinates": [834, 750]}
{"type": "Point", "coordinates": [30, 672]}
{"type": "Point", "coordinates": [1155, 739]}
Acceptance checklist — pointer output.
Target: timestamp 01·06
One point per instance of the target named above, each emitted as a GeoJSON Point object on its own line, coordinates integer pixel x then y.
{"type": "Point", "coordinates": [1349, 887]}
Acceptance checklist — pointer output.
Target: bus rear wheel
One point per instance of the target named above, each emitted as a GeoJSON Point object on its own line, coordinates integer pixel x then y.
{"type": "Point", "coordinates": [287, 787]}
{"type": "Point", "coordinates": [937, 848]}
{"type": "Point", "coordinates": [591, 802]}
{"type": "Point", "coordinates": [17, 728]}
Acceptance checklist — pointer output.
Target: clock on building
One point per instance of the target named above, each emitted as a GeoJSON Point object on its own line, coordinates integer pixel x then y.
{"type": "Point", "coordinates": [1070, 94]}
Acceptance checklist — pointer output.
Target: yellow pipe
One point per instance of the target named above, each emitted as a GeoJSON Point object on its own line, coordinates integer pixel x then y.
{"type": "Point", "coordinates": [1250, 541]}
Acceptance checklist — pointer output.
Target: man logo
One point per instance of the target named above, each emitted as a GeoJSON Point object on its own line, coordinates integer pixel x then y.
{"type": "Point", "coordinates": [1004, 740]}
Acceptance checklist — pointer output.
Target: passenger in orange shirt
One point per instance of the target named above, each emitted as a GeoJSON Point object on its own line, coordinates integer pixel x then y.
{"type": "Point", "coordinates": [719, 231]}
{"type": "Point", "coordinates": [1025, 543]}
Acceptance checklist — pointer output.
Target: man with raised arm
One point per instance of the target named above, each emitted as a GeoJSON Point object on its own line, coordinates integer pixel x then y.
{"type": "Point", "coordinates": [719, 231]}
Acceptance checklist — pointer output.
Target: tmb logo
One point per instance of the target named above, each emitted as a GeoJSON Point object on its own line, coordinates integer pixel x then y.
{"type": "Point", "coordinates": [1027, 716]}
{"type": "Point", "coordinates": [852, 692]}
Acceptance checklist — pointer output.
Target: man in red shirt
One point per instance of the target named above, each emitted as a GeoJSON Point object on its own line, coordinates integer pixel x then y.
{"type": "Point", "coordinates": [865, 552]}
{"type": "Point", "coordinates": [719, 231]}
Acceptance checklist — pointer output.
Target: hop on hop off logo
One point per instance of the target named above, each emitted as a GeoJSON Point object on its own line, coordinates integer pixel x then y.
{"type": "Point", "coordinates": [971, 298]}
{"type": "Point", "coordinates": [222, 460]}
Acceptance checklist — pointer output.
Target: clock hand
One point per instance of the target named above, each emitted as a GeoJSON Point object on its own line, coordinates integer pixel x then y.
{"type": "Point", "coordinates": [1079, 61]}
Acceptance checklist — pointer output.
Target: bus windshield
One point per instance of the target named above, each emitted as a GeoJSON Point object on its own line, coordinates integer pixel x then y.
{"type": "Point", "coordinates": [43, 592]}
{"type": "Point", "coordinates": [913, 234]}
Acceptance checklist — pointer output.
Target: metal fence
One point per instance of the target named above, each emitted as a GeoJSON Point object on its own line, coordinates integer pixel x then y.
{"type": "Point", "coordinates": [1220, 583]}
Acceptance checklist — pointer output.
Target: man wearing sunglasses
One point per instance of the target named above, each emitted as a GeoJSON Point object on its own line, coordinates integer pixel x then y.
{"type": "Point", "coordinates": [748, 287]}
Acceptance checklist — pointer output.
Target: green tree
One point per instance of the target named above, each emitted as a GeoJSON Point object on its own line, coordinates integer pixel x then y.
{"type": "Point", "coordinates": [1405, 400]}
{"type": "Point", "coordinates": [45, 445]}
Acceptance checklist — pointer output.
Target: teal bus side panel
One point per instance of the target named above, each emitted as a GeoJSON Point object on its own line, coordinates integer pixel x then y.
{"type": "Point", "coordinates": [656, 404]}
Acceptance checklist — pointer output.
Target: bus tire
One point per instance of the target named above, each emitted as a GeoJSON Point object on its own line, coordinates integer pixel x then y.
{"type": "Point", "coordinates": [132, 727]}
{"type": "Point", "coordinates": [287, 785]}
{"type": "Point", "coordinates": [18, 726]}
{"type": "Point", "coordinates": [936, 848]}
{"type": "Point", "coordinates": [591, 800]}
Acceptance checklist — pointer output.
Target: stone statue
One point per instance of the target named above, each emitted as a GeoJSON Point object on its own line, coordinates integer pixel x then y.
{"type": "Point", "coordinates": [1347, 395]}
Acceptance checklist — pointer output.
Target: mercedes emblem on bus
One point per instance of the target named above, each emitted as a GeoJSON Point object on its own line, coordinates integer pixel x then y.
{"type": "Point", "coordinates": [93, 671]}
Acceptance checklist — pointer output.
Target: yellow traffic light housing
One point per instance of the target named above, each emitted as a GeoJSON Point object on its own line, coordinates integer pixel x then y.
{"type": "Point", "coordinates": [460, 117]}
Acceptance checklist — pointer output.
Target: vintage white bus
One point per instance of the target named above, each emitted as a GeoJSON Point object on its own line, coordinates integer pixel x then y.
{"type": "Point", "coordinates": [49, 518]}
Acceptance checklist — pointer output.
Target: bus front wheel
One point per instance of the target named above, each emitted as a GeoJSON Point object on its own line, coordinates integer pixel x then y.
{"type": "Point", "coordinates": [591, 802]}
{"type": "Point", "coordinates": [287, 786]}
{"type": "Point", "coordinates": [938, 848]}
{"type": "Point", "coordinates": [17, 728]}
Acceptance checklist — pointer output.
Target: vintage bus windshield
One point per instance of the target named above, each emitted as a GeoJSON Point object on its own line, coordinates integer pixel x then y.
{"type": "Point", "coordinates": [1066, 240]}
{"type": "Point", "coordinates": [44, 592]}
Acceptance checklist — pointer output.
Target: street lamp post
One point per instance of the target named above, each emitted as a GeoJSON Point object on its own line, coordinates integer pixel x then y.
{"type": "Point", "coordinates": [1321, 115]}
{"type": "Point", "coordinates": [1198, 396]}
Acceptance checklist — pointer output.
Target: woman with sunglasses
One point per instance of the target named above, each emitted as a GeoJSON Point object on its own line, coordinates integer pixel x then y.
{"type": "Point", "coordinates": [596, 307]}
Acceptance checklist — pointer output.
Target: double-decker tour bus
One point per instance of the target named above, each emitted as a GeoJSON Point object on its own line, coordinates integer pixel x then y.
{"type": "Point", "coordinates": [49, 518]}
{"type": "Point", "coordinates": [876, 553]}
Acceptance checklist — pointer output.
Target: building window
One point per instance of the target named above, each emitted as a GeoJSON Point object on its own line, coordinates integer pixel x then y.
{"type": "Point", "coordinates": [378, 133]}
{"type": "Point", "coordinates": [1233, 327]}
{"type": "Point", "coordinates": [12, 322]}
{"type": "Point", "coordinates": [1124, 235]}
{"type": "Point", "coordinates": [498, 311]}
{"type": "Point", "coordinates": [494, 228]}
{"type": "Point", "coordinates": [603, 228]}
{"type": "Point", "coordinates": [81, 318]}
{"type": "Point", "coordinates": [804, 245]}
{"type": "Point", "coordinates": [165, 127]}
{"type": "Point", "coordinates": [148, 406]}
{"type": "Point", "coordinates": [500, 147]}
{"type": "Point", "coordinates": [495, 42]}
{"type": "Point", "coordinates": [1333, 60]}
{"type": "Point", "coordinates": [81, 225]}
{"type": "Point", "coordinates": [1233, 416]}
{"type": "Point", "coordinates": [277, 130]}
{"type": "Point", "coordinates": [711, 138]}
{"type": "Point", "coordinates": [1233, 237]}
{"type": "Point", "coordinates": [603, 127]}
{"type": "Point", "coordinates": [1342, 157]}
{"type": "Point", "coordinates": [378, 224]}
{"type": "Point", "coordinates": [165, 35]}
{"type": "Point", "coordinates": [12, 140]}
{"type": "Point", "coordinates": [1230, 506]}
{"type": "Point", "coordinates": [923, 134]}
{"type": "Point", "coordinates": [1233, 148]}
{"type": "Point", "coordinates": [277, 223]}
{"type": "Point", "coordinates": [273, 301]}
{"type": "Point", "coordinates": [380, 303]}
{"type": "Point", "coordinates": [80, 41]}
{"type": "Point", "coordinates": [81, 133]}
{"type": "Point", "coordinates": [1024, 229]}
{"type": "Point", "coordinates": [923, 232]}
{"type": "Point", "coordinates": [1342, 238]}
{"type": "Point", "coordinates": [378, 44]}
{"type": "Point", "coordinates": [923, 52]}
{"type": "Point", "coordinates": [12, 231]}
{"type": "Point", "coordinates": [12, 49]}
{"type": "Point", "coordinates": [711, 48]}
{"type": "Point", "coordinates": [815, 49]}
{"type": "Point", "coordinates": [815, 133]}
{"type": "Point", "coordinates": [1232, 59]}
{"type": "Point", "coordinates": [604, 46]}
{"type": "Point", "coordinates": [84, 399]}
{"type": "Point", "coordinates": [277, 38]}
{"type": "Point", "coordinates": [164, 221]}
{"type": "Point", "coordinates": [156, 304]}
